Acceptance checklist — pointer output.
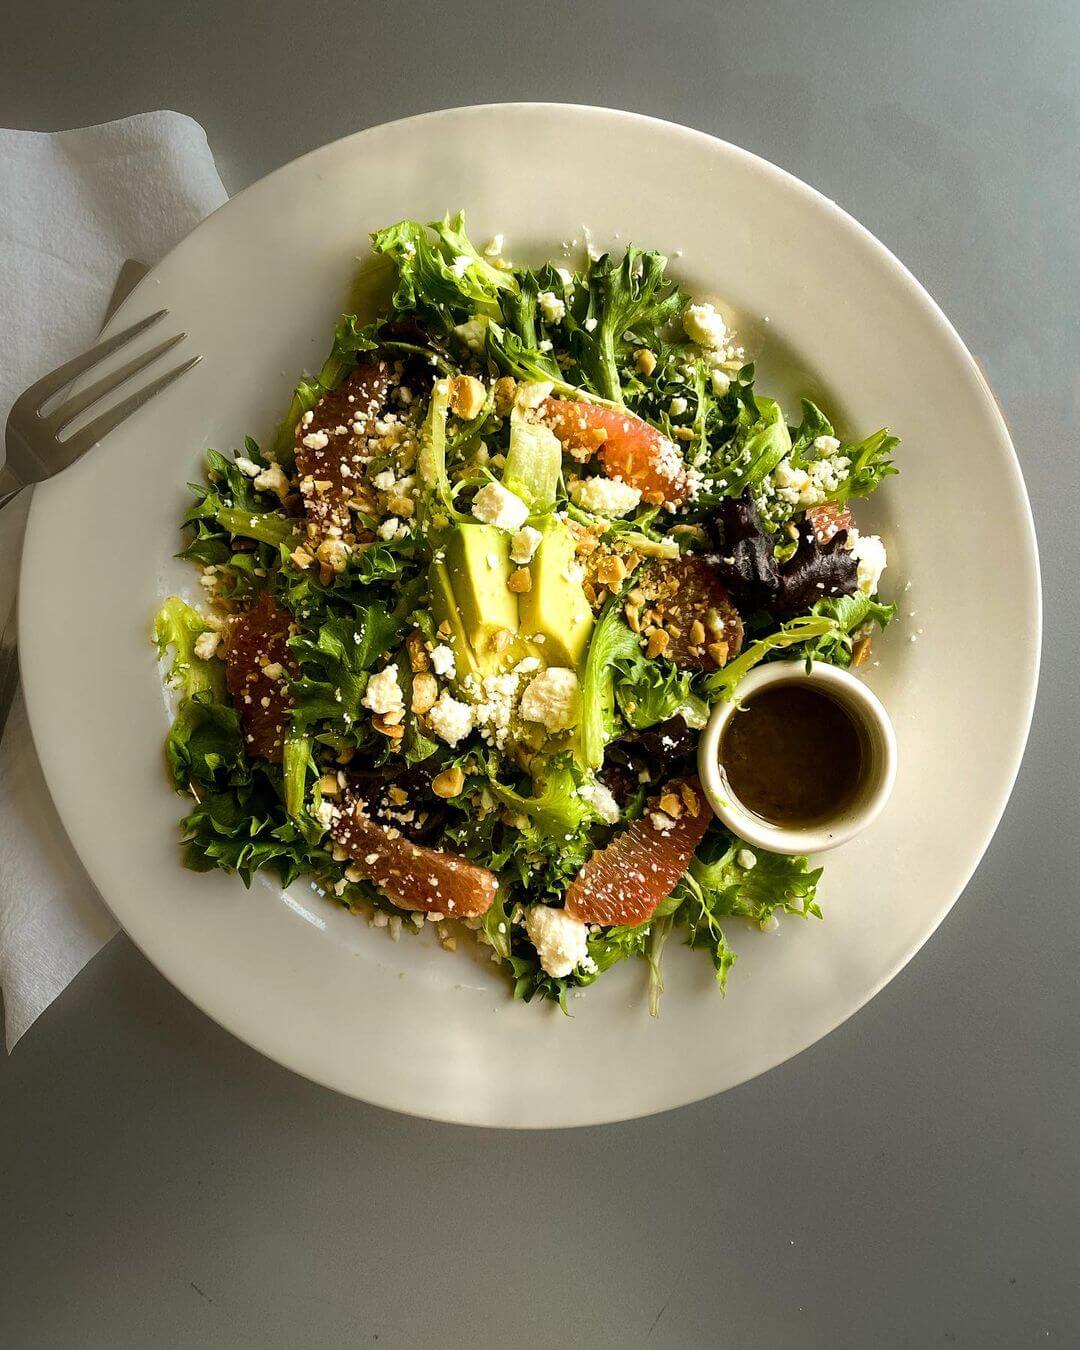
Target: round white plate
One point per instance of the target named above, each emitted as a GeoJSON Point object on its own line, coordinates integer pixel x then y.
{"type": "Point", "coordinates": [258, 288]}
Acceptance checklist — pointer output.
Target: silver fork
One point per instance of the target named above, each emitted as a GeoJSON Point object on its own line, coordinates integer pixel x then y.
{"type": "Point", "coordinates": [35, 450]}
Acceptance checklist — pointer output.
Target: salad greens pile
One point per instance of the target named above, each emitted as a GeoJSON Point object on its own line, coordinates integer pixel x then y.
{"type": "Point", "coordinates": [461, 623]}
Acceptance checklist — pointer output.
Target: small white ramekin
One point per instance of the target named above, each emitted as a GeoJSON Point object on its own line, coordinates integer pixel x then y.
{"type": "Point", "coordinates": [879, 770]}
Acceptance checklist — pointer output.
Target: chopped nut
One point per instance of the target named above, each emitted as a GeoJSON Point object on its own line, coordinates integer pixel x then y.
{"type": "Point", "coordinates": [467, 396]}
{"type": "Point", "coordinates": [673, 630]}
{"type": "Point", "coordinates": [445, 630]}
{"type": "Point", "coordinates": [328, 785]}
{"type": "Point", "coordinates": [519, 581]}
{"type": "Point", "coordinates": [587, 443]}
{"type": "Point", "coordinates": [645, 360]}
{"type": "Point", "coordinates": [718, 652]}
{"type": "Point", "coordinates": [690, 798]}
{"type": "Point", "coordinates": [585, 541]}
{"type": "Point", "coordinates": [448, 783]}
{"type": "Point", "coordinates": [860, 652]}
{"type": "Point", "coordinates": [425, 692]}
{"type": "Point", "coordinates": [633, 618]}
{"type": "Point", "coordinates": [333, 553]}
{"type": "Point", "coordinates": [505, 392]}
{"type": "Point", "coordinates": [590, 592]}
{"type": "Point", "coordinates": [398, 795]}
{"type": "Point", "coordinates": [658, 642]}
{"type": "Point", "coordinates": [636, 596]}
{"type": "Point", "coordinates": [399, 505]}
{"type": "Point", "coordinates": [501, 639]}
{"type": "Point", "coordinates": [611, 570]}
{"type": "Point", "coordinates": [653, 497]}
{"type": "Point", "coordinates": [671, 804]}
{"type": "Point", "coordinates": [300, 557]}
{"type": "Point", "coordinates": [385, 727]}
{"type": "Point", "coordinates": [697, 633]}
{"type": "Point", "coordinates": [418, 654]}
{"type": "Point", "coordinates": [631, 558]}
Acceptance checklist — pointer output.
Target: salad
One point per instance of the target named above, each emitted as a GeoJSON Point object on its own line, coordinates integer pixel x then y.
{"type": "Point", "coordinates": [462, 622]}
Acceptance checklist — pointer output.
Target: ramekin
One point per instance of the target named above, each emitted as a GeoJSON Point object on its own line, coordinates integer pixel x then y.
{"type": "Point", "coordinates": [879, 767]}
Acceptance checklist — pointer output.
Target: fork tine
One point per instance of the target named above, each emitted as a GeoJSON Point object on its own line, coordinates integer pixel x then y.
{"type": "Point", "coordinates": [32, 399]}
{"type": "Point", "coordinates": [100, 427]}
{"type": "Point", "coordinates": [72, 407]}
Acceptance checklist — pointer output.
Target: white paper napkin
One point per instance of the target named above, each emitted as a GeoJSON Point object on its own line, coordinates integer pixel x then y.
{"type": "Point", "coordinates": [73, 206]}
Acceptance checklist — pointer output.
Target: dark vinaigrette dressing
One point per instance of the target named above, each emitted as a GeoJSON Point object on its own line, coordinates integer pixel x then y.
{"type": "Point", "coordinates": [792, 755]}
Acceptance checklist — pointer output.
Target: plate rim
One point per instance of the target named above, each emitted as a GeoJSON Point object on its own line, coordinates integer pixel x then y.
{"type": "Point", "coordinates": [1028, 673]}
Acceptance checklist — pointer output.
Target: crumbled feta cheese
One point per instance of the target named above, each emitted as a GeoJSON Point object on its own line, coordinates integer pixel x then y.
{"type": "Point", "coordinates": [531, 393]}
{"type": "Point", "coordinates": [826, 445]}
{"type": "Point", "coordinates": [273, 479]}
{"type": "Point", "coordinates": [601, 800]}
{"type": "Point", "coordinates": [498, 506]}
{"type": "Point", "coordinates": [247, 466]}
{"type": "Point", "coordinates": [795, 486]}
{"type": "Point", "coordinates": [605, 496]}
{"type": "Point", "coordinates": [524, 545]}
{"type": "Point", "coordinates": [704, 326]}
{"type": "Point", "coordinates": [461, 264]}
{"type": "Point", "coordinates": [383, 693]}
{"type": "Point", "coordinates": [678, 406]}
{"type": "Point", "coordinates": [589, 325]}
{"type": "Point", "coordinates": [870, 552]}
{"type": "Point", "coordinates": [494, 246]}
{"type": "Point", "coordinates": [553, 697]}
{"type": "Point", "coordinates": [316, 440]}
{"type": "Point", "coordinates": [442, 661]}
{"type": "Point", "coordinates": [552, 306]}
{"type": "Point", "coordinates": [451, 719]}
{"type": "Point", "coordinates": [721, 382]}
{"type": "Point", "coordinates": [206, 645]}
{"type": "Point", "coordinates": [327, 812]}
{"type": "Point", "coordinates": [561, 942]}
{"type": "Point", "coordinates": [385, 480]}
{"type": "Point", "coordinates": [746, 859]}
{"type": "Point", "coordinates": [473, 333]}
{"type": "Point", "coordinates": [389, 528]}
{"type": "Point", "coordinates": [493, 703]}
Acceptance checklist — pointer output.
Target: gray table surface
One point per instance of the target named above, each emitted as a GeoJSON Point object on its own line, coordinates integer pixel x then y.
{"type": "Point", "coordinates": [910, 1181]}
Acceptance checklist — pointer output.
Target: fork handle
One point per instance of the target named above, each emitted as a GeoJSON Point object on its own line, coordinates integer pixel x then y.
{"type": "Point", "coordinates": [10, 485]}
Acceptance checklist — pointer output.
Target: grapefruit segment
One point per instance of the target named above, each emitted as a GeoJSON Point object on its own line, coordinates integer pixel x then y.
{"type": "Point", "coordinates": [258, 664]}
{"type": "Point", "coordinates": [624, 882]}
{"type": "Point", "coordinates": [828, 520]}
{"type": "Point", "coordinates": [331, 445]}
{"type": "Point", "coordinates": [412, 876]}
{"type": "Point", "coordinates": [628, 447]}
{"type": "Point", "coordinates": [693, 605]}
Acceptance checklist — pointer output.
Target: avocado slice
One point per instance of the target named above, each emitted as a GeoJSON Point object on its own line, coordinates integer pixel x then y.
{"type": "Point", "coordinates": [556, 606]}
{"type": "Point", "coordinates": [469, 592]}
